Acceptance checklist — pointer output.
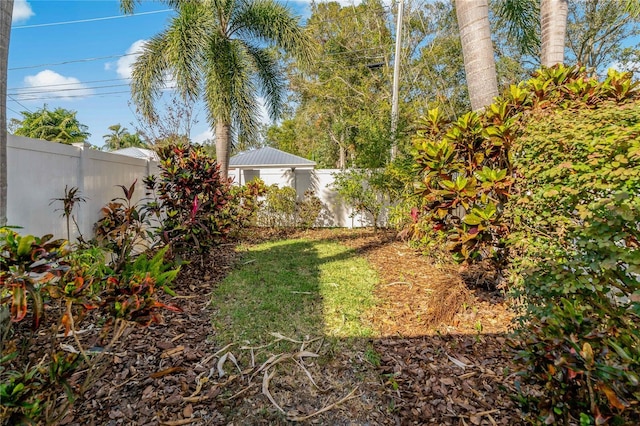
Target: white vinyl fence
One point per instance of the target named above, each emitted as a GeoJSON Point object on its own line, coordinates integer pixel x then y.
{"type": "Point", "coordinates": [38, 172]}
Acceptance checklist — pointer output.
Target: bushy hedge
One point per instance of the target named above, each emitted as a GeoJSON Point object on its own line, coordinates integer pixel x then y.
{"type": "Point", "coordinates": [578, 229]}
{"type": "Point", "coordinates": [282, 209]}
{"type": "Point", "coordinates": [547, 182]}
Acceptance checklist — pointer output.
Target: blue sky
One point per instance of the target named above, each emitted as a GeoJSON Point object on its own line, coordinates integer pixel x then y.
{"type": "Point", "coordinates": [80, 65]}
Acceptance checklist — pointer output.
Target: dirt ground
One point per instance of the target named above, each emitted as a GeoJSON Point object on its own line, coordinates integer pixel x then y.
{"type": "Point", "coordinates": [440, 357]}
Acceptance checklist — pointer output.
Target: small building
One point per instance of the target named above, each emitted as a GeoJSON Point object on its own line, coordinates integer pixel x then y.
{"type": "Point", "coordinates": [135, 152]}
{"type": "Point", "coordinates": [273, 167]}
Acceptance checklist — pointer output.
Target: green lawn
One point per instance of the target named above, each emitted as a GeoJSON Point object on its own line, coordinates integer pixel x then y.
{"type": "Point", "coordinates": [299, 288]}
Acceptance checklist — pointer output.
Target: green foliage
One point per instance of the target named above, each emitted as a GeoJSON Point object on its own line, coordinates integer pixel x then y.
{"type": "Point", "coordinates": [553, 168]}
{"type": "Point", "coordinates": [27, 265]}
{"type": "Point", "coordinates": [130, 295]}
{"type": "Point", "coordinates": [59, 125]}
{"type": "Point", "coordinates": [279, 208]}
{"type": "Point", "coordinates": [193, 198]}
{"type": "Point", "coordinates": [121, 138]}
{"type": "Point", "coordinates": [124, 228]}
{"type": "Point", "coordinates": [282, 209]}
{"type": "Point", "coordinates": [36, 272]}
{"type": "Point", "coordinates": [308, 209]}
{"type": "Point", "coordinates": [245, 204]}
{"type": "Point", "coordinates": [579, 222]}
{"type": "Point", "coordinates": [366, 191]}
{"type": "Point", "coordinates": [464, 181]}
{"type": "Point", "coordinates": [71, 198]}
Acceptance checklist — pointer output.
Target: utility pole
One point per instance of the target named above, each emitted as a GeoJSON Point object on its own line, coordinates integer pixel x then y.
{"type": "Point", "coordinates": [396, 79]}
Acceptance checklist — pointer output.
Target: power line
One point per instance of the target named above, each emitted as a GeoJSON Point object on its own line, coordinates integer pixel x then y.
{"type": "Point", "coordinates": [68, 84]}
{"type": "Point", "coordinates": [14, 111]}
{"type": "Point", "coordinates": [84, 96]}
{"type": "Point", "coordinates": [74, 96]}
{"type": "Point", "coordinates": [18, 102]}
{"type": "Point", "coordinates": [38, 92]}
{"type": "Point", "coordinates": [73, 61]}
{"type": "Point", "coordinates": [79, 21]}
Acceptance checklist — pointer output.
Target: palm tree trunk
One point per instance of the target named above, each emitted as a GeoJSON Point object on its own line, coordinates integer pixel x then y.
{"type": "Point", "coordinates": [477, 51]}
{"type": "Point", "coordinates": [223, 140]}
{"type": "Point", "coordinates": [553, 22]}
{"type": "Point", "coordinates": [6, 12]}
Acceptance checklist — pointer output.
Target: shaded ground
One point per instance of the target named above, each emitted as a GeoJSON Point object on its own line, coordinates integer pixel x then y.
{"type": "Point", "coordinates": [419, 371]}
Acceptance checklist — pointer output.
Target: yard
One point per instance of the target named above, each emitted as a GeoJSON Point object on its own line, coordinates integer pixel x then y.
{"type": "Point", "coordinates": [323, 326]}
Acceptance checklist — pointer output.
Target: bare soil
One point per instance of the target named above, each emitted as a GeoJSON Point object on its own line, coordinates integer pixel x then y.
{"type": "Point", "coordinates": [440, 357]}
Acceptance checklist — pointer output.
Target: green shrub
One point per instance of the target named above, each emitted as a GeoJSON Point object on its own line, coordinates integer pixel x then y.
{"type": "Point", "coordinates": [308, 210]}
{"type": "Point", "coordinates": [367, 191]}
{"type": "Point", "coordinates": [550, 175]}
{"type": "Point", "coordinates": [463, 181]}
{"type": "Point", "coordinates": [244, 205]}
{"type": "Point", "coordinates": [192, 198]}
{"type": "Point", "coordinates": [36, 272]}
{"type": "Point", "coordinates": [279, 209]}
{"type": "Point", "coordinates": [125, 227]}
{"type": "Point", "coordinates": [578, 222]}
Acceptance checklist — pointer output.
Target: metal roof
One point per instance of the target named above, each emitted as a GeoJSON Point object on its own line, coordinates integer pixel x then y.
{"type": "Point", "coordinates": [145, 154]}
{"type": "Point", "coordinates": [268, 157]}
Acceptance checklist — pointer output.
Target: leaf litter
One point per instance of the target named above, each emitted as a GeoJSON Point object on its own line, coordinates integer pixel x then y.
{"type": "Point", "coordinates": [440, 357]}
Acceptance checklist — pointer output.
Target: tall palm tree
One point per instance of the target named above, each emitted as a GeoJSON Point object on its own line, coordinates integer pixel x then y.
{"type": "Point", "coordinates": [6, 13]}
{"type": "Point", "coordinates": [553, 26]}
{"type": "Point", "coordinates": [477, 51]}
{"type": "Point", "coordinates": [222, 51]}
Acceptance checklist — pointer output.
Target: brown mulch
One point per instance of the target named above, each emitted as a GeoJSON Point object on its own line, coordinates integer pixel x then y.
{"type": "Point", "coordinates": [441, 349]}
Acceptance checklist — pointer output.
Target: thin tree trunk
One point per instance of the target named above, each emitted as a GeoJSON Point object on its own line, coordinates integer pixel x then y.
{"type": "Point", "coordinates": [6, 13]}
{"type": "Point", "coordinates": [553, 23]}
{"type": "Point", "coordinates": [223, 140]}
{"type": "Point", "coordinates": [477, 50]}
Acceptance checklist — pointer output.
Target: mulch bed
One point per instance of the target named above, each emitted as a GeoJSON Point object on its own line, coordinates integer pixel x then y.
{"type": "Point", "coordinates": [442, 363]}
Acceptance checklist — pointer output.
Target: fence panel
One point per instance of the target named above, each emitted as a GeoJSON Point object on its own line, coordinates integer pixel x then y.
{"type": "Point", "coordinates": [38, 172]}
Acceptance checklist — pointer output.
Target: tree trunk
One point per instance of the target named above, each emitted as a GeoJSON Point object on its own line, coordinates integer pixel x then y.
{"type": "Point", "coordinates": [553, 22]}
{"type": "Point", "coordinates": [477, 51]}
{"type": "Point", "coordinates": [223, 140]}
{"type": "Point", "coordinates": [6, 12]}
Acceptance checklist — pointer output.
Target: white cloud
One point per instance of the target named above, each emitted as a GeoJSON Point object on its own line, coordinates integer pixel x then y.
{"type": "Point", "coordinates": [124, 65]}
{"type": "Point", "coordinates": [49, 83]}
{"type": "Point", "coordinates": [21, 11]}
{"type": "Point", "coordinates": [207, 135]}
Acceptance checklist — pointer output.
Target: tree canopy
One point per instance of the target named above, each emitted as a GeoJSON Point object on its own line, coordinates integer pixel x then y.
{"type": "Point", "coordinates": [224, 52]}
{"type": "Point", "coordinates": [58, 125]}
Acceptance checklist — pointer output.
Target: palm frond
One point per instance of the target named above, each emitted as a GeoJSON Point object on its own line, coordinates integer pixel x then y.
{"type": "Point", "coordinates": [148, 76]}
{"type": "Point", "coordinates": [274, 24]}
{"type": "Point", "coordinates": [186, 37]}
{"type": "Point", "coordinates": [271, 78]}
{"type": "Point", "coordinates": [522, 20]}
{"type": "Point", "coordinates": [129, 6]}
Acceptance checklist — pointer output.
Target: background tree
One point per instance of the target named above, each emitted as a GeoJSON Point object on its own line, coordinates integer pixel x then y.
{"type": "Point", "coordinates": [59, 125]}
{"type": "Point", "coordinates": [121, 138]}
{"type": "Point", "coordinates": [598, 30]}
{"type": "Point", "coordinates": [338, 103]}
{"type": "Point", "coordinates": [224, 52]}
{"type": "Point", "coordinates": [6, 12]}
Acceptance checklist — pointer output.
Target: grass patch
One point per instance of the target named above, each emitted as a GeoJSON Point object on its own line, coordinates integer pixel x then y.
{"type": "Point", "coordinates": [299, 288]}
